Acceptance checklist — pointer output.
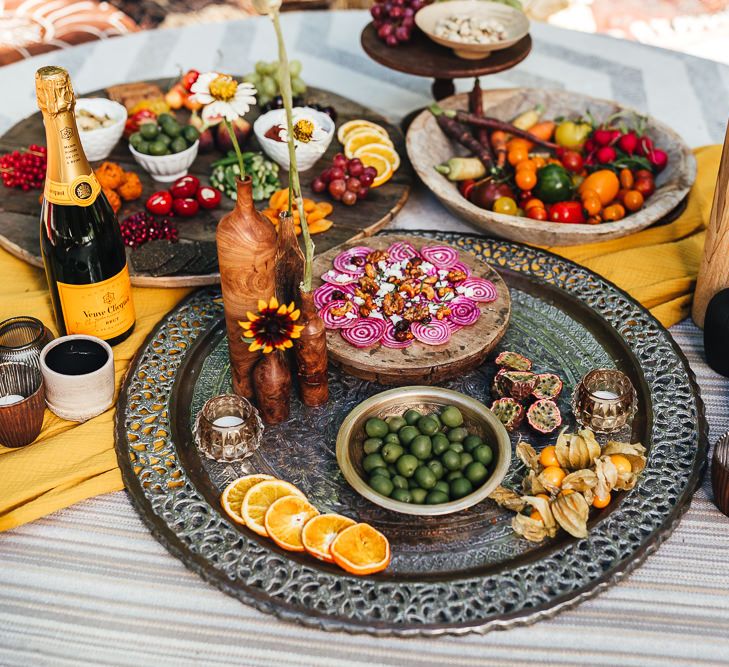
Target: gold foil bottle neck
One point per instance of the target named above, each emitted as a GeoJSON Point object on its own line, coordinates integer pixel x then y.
{"type": "Point", "coordinates": [53, 90]}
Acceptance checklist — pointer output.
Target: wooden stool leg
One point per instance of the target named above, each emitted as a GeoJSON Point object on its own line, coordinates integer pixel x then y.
{"type": "Point", "coordinates": [714, 271]}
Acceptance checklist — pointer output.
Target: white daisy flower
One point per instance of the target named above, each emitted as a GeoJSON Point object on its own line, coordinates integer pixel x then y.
{"type": "Point", "coordinates": [222, 97]}
{"type": "Point", "coordinates": [306, 129]}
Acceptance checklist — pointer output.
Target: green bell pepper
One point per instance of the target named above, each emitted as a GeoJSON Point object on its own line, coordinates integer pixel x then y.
{"type": "Point", "coordinates": [554, 184]}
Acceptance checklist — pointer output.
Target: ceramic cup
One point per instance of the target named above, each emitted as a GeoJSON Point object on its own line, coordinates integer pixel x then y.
{"type": "Point", "coordinates": [21, 404]}
{"type": "Point", "coordinates": [75, 393]}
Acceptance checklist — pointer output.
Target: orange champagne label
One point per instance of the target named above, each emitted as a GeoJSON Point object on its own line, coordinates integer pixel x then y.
{"type": "Point", "coordinates": [82, 191]}
{"type": "Point", "coordinates": [104, 309]}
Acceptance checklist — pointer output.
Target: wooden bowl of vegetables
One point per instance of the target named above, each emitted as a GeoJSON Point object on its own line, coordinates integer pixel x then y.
{"type": "Point", "coordinates": [550, 167]}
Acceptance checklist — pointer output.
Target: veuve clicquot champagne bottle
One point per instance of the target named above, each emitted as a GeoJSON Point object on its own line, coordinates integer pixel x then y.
{"type": "Point", "coordinates": [81, 243]}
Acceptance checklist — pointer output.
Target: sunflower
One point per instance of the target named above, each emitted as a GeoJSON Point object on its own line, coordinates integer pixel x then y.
{"type": "Point", "coordinates": [223, 97]}
{"type": "Point", "coordinates": [273, 327]}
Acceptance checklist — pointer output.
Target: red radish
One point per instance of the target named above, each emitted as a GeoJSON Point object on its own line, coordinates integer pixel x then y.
{"type": "Point", "coordinates": [659, 159]}
{"type": "Point", "coordinates": [184, 187]}
{"type": "Point", "coordinates": [186, 207]}
{"type": "Point", "coordinates": [628, 142]}
{"type": "Point", "coordinates": [645, 146]}
{"type": "Point", "coordinates": [602, 136]}
{"type": "Point", "coordinates": [208, 197]}
{"type": "Point", "coordinates": [160, 203]}
{"type": "Point", "coordinates": [590, 145]}
{"type": "Point", "coordinates": [606, 154]}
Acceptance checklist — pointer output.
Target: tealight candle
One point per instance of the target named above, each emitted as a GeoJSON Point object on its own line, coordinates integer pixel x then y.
{"type": "Point", "coordinates": [604, 400]}
{"type": "Point", "coordinates": [228, 428]}
{"type": "Point", "coordinates": [604, 393]}
{"type": "Point", "coordinates": [228, 421]}
{"type": "Point", "coordinates": [10, 399]}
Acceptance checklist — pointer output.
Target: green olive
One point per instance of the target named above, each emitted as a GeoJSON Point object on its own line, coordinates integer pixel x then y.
{"type": "Point", "coordinates": [406, 465]}
{"type": "Point", "coordinates": [436, 417]}
{"type": "Point", "coordinates": [470, 442]}
{"type": "Point", "coordinates": [456, 447]}
{"type": "Point", "coordinates": [402, 495]}
{"type": "Point", "coordinates": [466, 459]}
{"type": "Point", "coordinates": [376, 428]}
{"type": "Point", "coordinates": [372, 445]}
{"type": "Point", "coordinates": [427, 425]}
{"type": "Point", "coordinates": [399, 482]}
{"type": "Point", "coordinates": [380, 471]}
{"type": "Point", "coordinates": [436, 498]}
{"type": "Point", "coordinates": [457, 434]}
{"type": "Point", "coordinates": [418, 495]}
{"type": "Point", "coordinates": [392, 437]}
{"type": "Point", "coordinates": [392, 452]}
{"type": "Point", "coordinates": [476, 473]}
{"type": "Point", "coordinates": [421, 447]}
{"type": "Point", "coordinates": [411, 417]}
{"type": "Point", "coordinates": [483, 454]}
{"type": "Point", "coordinates": [395, 423]}
{"type": "Point", "coordinates": [412, 484]}
{"type": "Point", "coordinates": [372, 461]}
{"type": "Point", "coordinates": [382, 485]}
{"type": "Point", "coordinates": [460, 487]}
{"type": "Point", "coordinates": [451, 416]}
{"type": "Point", "coordinates": [425, 478]}
{"type": "Point", "coordinates": [456, 474]}
{"type": "Point", "coordinates": [442, 486]}
{"type": "Point", "coordinates": [437, 468]}
{"type": "Point", "coordinates": [440, 443]}
{"type": "Point", "coordinates": [391, 469]}
{"type": "Point", "coordinates": [407, 434]}
{"type": "Point", "coordinates": [450, 459]}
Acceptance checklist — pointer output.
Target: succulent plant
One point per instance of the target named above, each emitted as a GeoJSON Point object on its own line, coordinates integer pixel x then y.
{"type": "Point", "coordinates": [513, 361]}
{"type": "Point", "coordinates": [544, 415]}
{"type": "Point", "coordinates": [547, 385]}
{"type": "Point", "coordinates": [514, 384]}
{"type": "Point", "coordinates": [509, 412]}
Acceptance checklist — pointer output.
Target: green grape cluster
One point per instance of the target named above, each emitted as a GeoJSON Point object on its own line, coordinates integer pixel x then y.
{"type": "Point", "coordinates": [266, 80]}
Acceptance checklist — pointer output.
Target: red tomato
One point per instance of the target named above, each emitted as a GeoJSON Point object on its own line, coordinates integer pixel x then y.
{"type": "Point", "coordinates": [567, 211]}
{"type": "Point", "coordinates": [645, 186]}
{"type": "Point", "coordinates": [465, 187]}
{"type": "Point", "coordinates": [536, 213]}
{"type": "Point", "coordinates": [160, 203]}
{"type": "Point", "coordinates": [572, 161]}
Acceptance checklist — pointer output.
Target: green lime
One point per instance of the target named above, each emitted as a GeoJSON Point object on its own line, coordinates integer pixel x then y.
{"type": "Point", "coordinates": [178, 145]}
{"type": "Point", "coordinates": [171, 128]}
{"type": "Point", "coordinates": [148, 131]}
{"type": "Point", "coordinates": [372, 445]}
{"type": "Point", "coordinates": [456, 474]}
{"type": "Point", "coordinates": [391, 452]}
{"type": "Point", "coordinates": [437, 468]}
{"type": "Point", "coordinates": [164, 139]}
{"type": "Point", "coordinates": [395, 423]}
{"type": "Point", "coordinates": [421, 447]}
{"type": "Point", "coordinates": [436, 498]}
{"type": "Point", "coordinates": [411, 417]}
{"type": "Point", "coordinates": [406, 465]}
{"type": "Point", "coordinates": [483, 454]}
{"type": "Point", "coordinates": [392, 437]}
{"type": "Point", "coordinates": [466, 459]}
{"type": "Point", "coordinates": [376, 428]}
{"type": "Point", "coordinates": [135, 138]}
{"type": "Point", "coordinates": [401, 495]}
{"type": "Point", "coordinates": [451, 416]}
{"type": "Point", "coordinates": [470, 442]}
{"type": "Point", "coordinates": [384, 472]}
{"type": "Point", "coordinates": [476, 473]}
{"type": "Point", "coordinates": [425, 477]}
{"type": "Point", "coordinates": [381, 484]}
{"type": "Point", "coordinates": [399, 482]}
{"type": "Point", "coordinates": [372, 461]}
{"type": "Point", "coordinates": [450, 459]}
{"type": "Point", "coordinates": [442, 486]}
{"type": "Point", "coordinates": [457, 434]}
{"type": "Point", "coordinates": [440, 443]}
{"type": "Point", "coordinates": [407, 434]}
{"type": "Point", "coordinates": [190, 133]}
{"type": "Point", "coordinates": [418, 495]}
{"type": "Point", "coordinates": [157, 148]}
{"type": "Point", "coordinates": [165, 118]}
{"type": "Point", "coordinates": [143, 146]}
{"type": "Point", "coordinates": [456, 447]}
{"type": "Point", "coordinates": [427, 425]}
{"type": "Point", "coordinates": [460, 487]}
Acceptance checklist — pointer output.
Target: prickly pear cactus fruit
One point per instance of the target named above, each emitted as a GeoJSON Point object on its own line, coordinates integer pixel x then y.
{"type": "Point", "coordinates": [544, 415]}
{"type": "Point", "coordinates": [513, 361]}
{"type": "Point", "coordinates": [514, 384]}
{"type": "Point", "coordinates": [547, 385]}
{"type": "Point", "coordinates": [509, 412]}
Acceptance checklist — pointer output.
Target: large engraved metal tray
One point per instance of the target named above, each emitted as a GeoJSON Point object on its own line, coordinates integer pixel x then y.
{"type": "Point", "coordinates": [452, 574]}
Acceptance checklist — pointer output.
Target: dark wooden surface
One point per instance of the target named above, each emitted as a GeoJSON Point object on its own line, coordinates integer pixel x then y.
{"type": "Point", "coordinates": [19, 211]}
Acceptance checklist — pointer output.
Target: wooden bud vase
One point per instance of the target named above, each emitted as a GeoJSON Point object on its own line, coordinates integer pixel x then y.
{"type": "Point", "coordinates": [272, 385]}
{"type": "Point", "coordinates": [310, 351]}
{"type": "Point", "coordinates": [247, 257]}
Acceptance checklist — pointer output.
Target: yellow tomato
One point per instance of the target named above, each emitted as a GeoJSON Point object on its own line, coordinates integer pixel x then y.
{"type": "Point", "coordinates": [604, 183]}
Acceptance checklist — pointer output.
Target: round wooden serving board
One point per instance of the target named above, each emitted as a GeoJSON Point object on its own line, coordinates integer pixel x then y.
{"type": "Point", "coordinates": [427, 146]}
{"type": "Point", "coordinates": [419, 363]}
{"type": "Point", "coordinates": [19, 211]}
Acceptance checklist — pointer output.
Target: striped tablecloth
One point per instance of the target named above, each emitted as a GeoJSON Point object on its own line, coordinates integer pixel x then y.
{"type": "Point", "coordinates": [89, 585]}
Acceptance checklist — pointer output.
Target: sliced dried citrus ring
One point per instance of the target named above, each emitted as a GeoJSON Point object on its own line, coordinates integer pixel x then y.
{"type": "Point", "coordinates": [387, 152]}
{"type": "Point", "coordinates": [260, 497]}
{"type": "Point", "coordinates": [232, 497]}
{"type": "Point", "coordinates": [364, 137]}
{"type": "Point", "coordinates": [286, 518]}
{"type": "Point", "coordinates": [320, 532]}
{"type": "Point", "coordinates": [361, 549]}
{"type": "Point", "coordinates": [384, 168]}
{"type": "Point", "coordinates": [358, 124]}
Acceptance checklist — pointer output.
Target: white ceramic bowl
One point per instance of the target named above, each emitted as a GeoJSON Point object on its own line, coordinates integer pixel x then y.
{"type": "Point", "coordinates": [515, 23]}
{"type": "Point", "coordinates": [306, 154]}
{"type": "Point", "coordinates": [167, 168]}
{"type": "Point", "coordinates": [100, 142]}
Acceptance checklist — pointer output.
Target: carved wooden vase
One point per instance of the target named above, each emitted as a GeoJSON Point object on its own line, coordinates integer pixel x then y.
{"type": "Point", "coordinates": [310, 351]}
{"type": "Point", "coordinates": [247, 257]}
{"type": "Point", "coordinates": [272, 385]}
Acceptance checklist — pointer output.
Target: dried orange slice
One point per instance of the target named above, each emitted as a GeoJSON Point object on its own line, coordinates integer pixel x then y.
{"type": "Point", "coordinates": [232, 497]}
{"type": "Point", "coordinates": [260, 497]}
{"type": "Point", "coordinates": [384, 168]}
{"type": "Point", "coordinates": [387, 152]}
{"type": "Point", "coordinates": [358, 124]}
{"type": "Point", "coordinates": [286, 518]}
{"type": "Point", "coordinates": [320, 532]}
{"type": "Point", "coordinates": [361, 549]}
{"type": "Point", "coordinates": [364, 137]}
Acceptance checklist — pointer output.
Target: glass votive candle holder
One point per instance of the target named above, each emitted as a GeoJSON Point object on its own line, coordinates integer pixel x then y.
{"type": "Point", "coordinates": [22, 404]}
{"type": "Point", "coordinates": [228, 428]}
{"type": "Point", "coordinates": [604, 400]}
{"type": "Point", "coordinates": [22, 339]}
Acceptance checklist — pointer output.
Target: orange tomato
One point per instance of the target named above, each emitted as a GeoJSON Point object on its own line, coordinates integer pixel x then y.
{"type": "Point", "coordinates": [621, 463]}
{"type": "Point", "coordinates": [539, 161]}
{"type": "Point", "coordinates": [519, 143]}
{"type": "Point", "coordinates": [517, 155]}
{"type": "Point", "coordinates": [594, 220]}
{"type": "Point", "coordinates": [533, 202]}
{"type": "Point", "coordinates": [548, 457]}
{"type": "Point", "coordinates": [605, 184]}
{"type": "Point", "coordinates": [554, 475]}
{"type": "Point", "coordinates": [586, 192]}
{"type": "Point", "coordinates": [526, 179]}
{"type": "Point", "coordinates": [633, 200]}
{"type": "Point", "coordinates": [592, 205]}
{"type": "Point", "coordinates": [626, 178]}
{"type": "Point", "coordinates": [601, 502]}
{"type": "Point", "coordinates": [614, 212]}
{"type": "Point", "coordinates": [537, 213]}
{"type": "Point", "coordinates": [526, 165]}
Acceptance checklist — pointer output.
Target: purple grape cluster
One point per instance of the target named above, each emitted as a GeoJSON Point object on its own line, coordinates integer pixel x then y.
{"type": "Point", "coordinates": [395, 19]}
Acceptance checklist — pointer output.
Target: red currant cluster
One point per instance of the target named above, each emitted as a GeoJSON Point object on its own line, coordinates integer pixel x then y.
{"type": "Point", "coordinates": [346, 180]}
{"type": "Point", "coordinates": [24, 169]}
{"type": "Point", "coordinates": [395, 19]}
{"type": "Point", "coordinates": [141, 227]}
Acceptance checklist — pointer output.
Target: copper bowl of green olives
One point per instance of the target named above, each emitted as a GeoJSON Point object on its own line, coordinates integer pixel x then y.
{"type": "Point", "coordinates": [423, 450]}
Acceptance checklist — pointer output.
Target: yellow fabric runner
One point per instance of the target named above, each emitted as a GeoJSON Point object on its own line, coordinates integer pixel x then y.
{"type": "Point", "coordinates": [70, 462]}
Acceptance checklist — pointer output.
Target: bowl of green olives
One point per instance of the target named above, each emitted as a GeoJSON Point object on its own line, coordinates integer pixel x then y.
{"type": "Point", "coordinates": [423, 450]}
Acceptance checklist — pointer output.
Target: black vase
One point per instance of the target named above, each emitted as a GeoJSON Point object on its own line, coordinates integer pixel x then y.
{"type": "Point", "coordinates": [716, 333]}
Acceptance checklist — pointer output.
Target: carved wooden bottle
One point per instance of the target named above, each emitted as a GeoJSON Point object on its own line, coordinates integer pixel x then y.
{"type": "Point", "coordinates": [247, 258]}
{"type": "Point", "coordinates": [310, 350]}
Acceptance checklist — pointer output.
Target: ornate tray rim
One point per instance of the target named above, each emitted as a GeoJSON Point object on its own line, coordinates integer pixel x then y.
{"type": "Point", "coordinates": [283, 610]}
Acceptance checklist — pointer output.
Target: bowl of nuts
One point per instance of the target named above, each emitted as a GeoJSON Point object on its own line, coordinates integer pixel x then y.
{"type": "Point", "coordinates": [473, 28]}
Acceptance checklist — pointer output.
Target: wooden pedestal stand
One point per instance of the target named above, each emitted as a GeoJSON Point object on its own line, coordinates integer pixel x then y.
{"type": "Point", "coordinates": [714, 271]}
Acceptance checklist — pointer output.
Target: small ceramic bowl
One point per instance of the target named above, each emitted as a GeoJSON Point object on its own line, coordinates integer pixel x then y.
{"type": "Point", "coordinates": [478, 419]}
{"type": "Point", "coordinates": [515, 22]}
{"type": "Point", "coordinates": [100, 142]}
{"type": "Point", "coordinates": [167, 168]}
{"type": "Point", "coordinates": [307, 155]}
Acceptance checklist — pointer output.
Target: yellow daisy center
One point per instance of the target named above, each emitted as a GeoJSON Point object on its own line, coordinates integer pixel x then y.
{"type": "Point", "coordinates": [223, 88]}
{"type": "Point", "coordinates": [304, 131]}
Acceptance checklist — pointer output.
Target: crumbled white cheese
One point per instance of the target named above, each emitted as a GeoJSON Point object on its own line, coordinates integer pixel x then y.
{"type": "Point", "coordinates": [395, 318]}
